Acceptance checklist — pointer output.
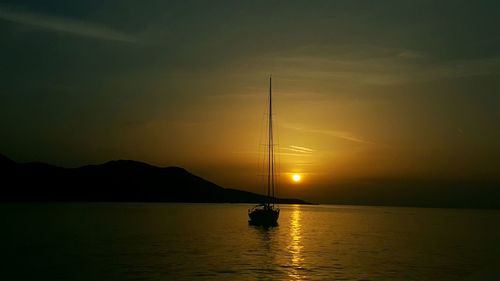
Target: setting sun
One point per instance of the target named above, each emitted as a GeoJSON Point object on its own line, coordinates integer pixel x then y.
{"type": "Point", "coordinates": [296, 178]}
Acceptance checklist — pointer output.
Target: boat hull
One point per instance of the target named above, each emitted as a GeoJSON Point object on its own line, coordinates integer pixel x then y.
{"type": "Point", "coordinates": [264, 216]}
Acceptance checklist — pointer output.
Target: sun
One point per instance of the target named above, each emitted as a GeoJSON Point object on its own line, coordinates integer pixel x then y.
{"type": "Point", "coordinates": [296, 178]}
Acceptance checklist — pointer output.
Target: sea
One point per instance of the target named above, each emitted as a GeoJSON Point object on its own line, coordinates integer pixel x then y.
{"type": "Point", "coordinates": [169, 241]}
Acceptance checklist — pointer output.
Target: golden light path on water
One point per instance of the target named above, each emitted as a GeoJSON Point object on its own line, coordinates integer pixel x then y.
{"type": "Point", "coordinates": [295, 246]}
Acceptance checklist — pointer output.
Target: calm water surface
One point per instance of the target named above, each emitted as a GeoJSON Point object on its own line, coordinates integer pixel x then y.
{"type": "Point", "coordinates": [115, 241]}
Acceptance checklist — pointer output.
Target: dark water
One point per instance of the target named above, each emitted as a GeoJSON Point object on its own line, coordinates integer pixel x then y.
{"type": "Point", "coordinates": [214, 242]}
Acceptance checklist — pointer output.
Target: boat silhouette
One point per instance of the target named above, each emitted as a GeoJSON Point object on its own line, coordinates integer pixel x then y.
{"type": "Point", "coordinates": [267, 213]}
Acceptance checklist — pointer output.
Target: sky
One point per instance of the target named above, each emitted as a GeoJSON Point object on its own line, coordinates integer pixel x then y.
{"type": "Point", "coordinates": [364, 90]}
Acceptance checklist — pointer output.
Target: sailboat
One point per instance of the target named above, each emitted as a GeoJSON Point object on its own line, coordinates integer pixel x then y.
{"type": "Point", "coordinates": [267, 213]}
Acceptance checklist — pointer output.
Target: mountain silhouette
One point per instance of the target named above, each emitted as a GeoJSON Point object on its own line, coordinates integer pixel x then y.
{"type": "Point", "coordinates": [114, 181]}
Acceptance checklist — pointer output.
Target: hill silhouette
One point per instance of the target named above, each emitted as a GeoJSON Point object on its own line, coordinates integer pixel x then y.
{"type": "Point", "coordinates": [115, 181]}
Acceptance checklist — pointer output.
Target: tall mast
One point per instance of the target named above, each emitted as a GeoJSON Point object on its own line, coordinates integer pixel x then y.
{"type": "Point", "coordinates": [273, 166]}
{"type": "Point", "coordinates": [270, 167]}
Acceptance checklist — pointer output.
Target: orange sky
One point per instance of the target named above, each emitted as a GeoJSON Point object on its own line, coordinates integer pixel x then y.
{"type": "Point", "coordinates": [363, 90]}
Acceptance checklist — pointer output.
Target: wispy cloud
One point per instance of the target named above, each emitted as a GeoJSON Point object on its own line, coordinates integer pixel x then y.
{"type": "Point", "coordinates": [337, 134]}
{"type": "Point", "coordinates": [279, 152]}
{"type": "Point", "coordinates": [373, 65]}
{"type": "Point", "coordinates": [410, 54]}
{"type": "Point", "coordinates": [292, 154]}
{"type": "Point", "coordinates": [67, 25]}
{"type": "Point", "coordinates": [298, 149]}
{"type": "Point", "coordinates": [342, 135]}
{"type": "Point", "coordinates": [305, 149]}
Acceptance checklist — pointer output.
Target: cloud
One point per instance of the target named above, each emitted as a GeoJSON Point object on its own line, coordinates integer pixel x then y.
{"type": "Point", "coordinates": [410, 54]}
{"type": "Point", "coordinates": [372, 65]}
{"type": "Point", "coordinates": [305, 149]}
{"type": "Point", "coordinates": [342, 135]}
{"type": "Point", "coordinates": [279, 152]}
{"type": "Point", "coordinates": [298, 149]}
{"type": "Point", "coordinates": [337, 134]}
{"type": "Point", "coordinates": [72, 26]}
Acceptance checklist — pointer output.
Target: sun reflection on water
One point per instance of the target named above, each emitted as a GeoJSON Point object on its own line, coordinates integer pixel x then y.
{"type": "Point", "coordinates": [295, 245]}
